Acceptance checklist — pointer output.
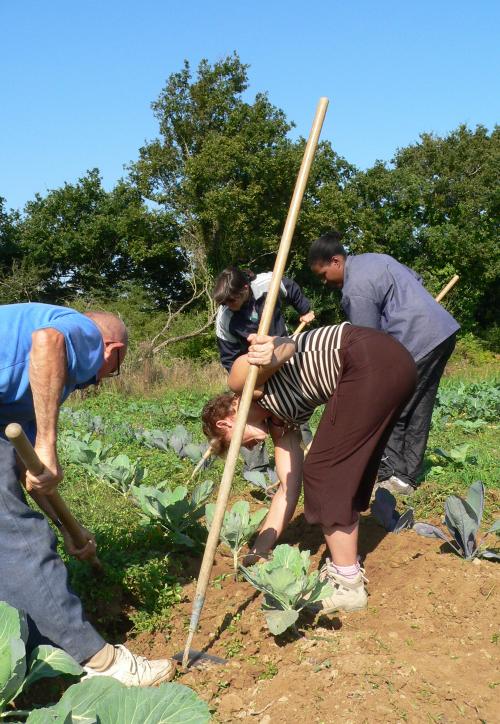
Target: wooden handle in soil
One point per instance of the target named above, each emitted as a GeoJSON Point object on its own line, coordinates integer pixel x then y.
{"type": "Point", "coordinates": [15, 434]}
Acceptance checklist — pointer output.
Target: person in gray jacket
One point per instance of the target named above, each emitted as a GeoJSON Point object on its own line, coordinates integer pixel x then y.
{"type": "Point", "coordinates": [380, 292]}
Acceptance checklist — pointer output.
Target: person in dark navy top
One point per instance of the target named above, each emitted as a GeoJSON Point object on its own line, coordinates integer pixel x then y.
{"type": "Point", "coordinates": [241, 295]}
{"type": "Point", "coordinates": [379, 292]}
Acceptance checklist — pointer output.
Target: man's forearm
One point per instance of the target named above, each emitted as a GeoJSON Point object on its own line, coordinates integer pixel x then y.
{"type": "Point", "coordinates": [47, 373]}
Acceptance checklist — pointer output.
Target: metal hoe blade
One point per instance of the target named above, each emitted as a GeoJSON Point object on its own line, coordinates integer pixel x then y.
{"type": "Point", "coordinates": [199, 658]}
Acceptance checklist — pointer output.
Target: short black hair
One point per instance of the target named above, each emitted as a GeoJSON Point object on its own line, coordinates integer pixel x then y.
{"type": "Point", "coordinates": [328, 245]}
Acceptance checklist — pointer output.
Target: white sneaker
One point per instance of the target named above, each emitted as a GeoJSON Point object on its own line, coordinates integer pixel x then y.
{"type": "Point", "coordinates": [349, 594]}
{"type": "Point", "coordinates": [134, 670]}
{"type": "Point", "coordinates": [396, 486]}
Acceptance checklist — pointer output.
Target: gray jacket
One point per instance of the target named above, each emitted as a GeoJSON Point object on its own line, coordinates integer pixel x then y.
{"type": "Point", "coordinates": [382, 293]}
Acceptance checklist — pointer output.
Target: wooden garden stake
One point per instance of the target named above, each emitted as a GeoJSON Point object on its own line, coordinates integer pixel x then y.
{"type": "Point", "coordinates": [15, 435]}
{"type": "Point", "coordinates": [247, 394]}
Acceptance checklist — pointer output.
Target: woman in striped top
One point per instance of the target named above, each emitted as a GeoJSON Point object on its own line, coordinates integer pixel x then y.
{"type": "Point", "coordinates": [364, 378]}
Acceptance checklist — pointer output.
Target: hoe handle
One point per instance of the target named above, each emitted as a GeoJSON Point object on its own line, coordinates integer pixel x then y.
{"type": "Point", "coordinates": [26, 452]}
{"type": "Point", "coordinates": [444, 291]}
{"type": "Point", "coordinates": [300, 327]}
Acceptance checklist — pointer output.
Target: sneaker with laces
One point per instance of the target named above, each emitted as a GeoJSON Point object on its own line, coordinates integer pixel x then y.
{"type": "Point", "coordinates": [349, 594]}
{"type": "Point", "coordinates": [133, 670]}
{"type": "Point", "coordinates": [396, 486]}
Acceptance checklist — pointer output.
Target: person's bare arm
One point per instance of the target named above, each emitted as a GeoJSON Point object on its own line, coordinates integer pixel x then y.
{"type": "Point", "coordinates": [289, 459]}
{"type": "Point", "coordinates": [267, 353]}
{"type": "Point", "coordinates": [47, 374]}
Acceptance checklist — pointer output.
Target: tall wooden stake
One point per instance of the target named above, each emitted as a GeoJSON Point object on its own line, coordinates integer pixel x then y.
{"type": "Point", "coordinates": [247, 394]}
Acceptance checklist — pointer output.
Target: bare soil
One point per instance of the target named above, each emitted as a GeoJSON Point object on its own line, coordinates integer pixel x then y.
{"type": "Point", "coordinates": [426, 648]}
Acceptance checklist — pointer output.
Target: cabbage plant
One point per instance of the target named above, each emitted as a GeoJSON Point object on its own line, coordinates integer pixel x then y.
{"type": "Point", "coordinates": [17, 671]}
{"type": "Point", "coordinates": [463, 519]}
{"type": "Point", "coordinates": [106, 701]}
{"type": "Point", "coordinates": [287, 585]}
{"type": "Point", "coordinates": [267, 481]}
{"type": "Point", "coordinates": [384, 510]}
{"type": "Point", "coordinates": [120, 472]}
{"type": "Point", "coordinates": [175, 510]}
{"type": "Point", "coordinates": [179, 440]}
{"type": "Point", "coordinates": [238, 526]}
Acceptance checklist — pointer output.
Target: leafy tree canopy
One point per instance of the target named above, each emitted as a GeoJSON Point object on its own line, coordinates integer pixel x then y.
{"type": "Point", "coordinates": [225, 167]}
{"type": "Point", "coordinates": [90, 239]}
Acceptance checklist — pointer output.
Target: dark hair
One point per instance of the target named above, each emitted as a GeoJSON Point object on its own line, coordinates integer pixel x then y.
{"type": "Point", "coordinates": [325, 247]}
{"type": "Point", "coordinates": [217, 409]}
{"type": "Point", "coordinates": [230, 283]}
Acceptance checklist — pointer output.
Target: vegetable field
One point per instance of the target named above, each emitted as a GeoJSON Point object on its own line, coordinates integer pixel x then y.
{"type": "Point", "coordinates": [426, 648]}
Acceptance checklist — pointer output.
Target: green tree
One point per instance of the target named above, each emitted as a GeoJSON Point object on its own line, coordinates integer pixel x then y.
{"type": "Point", "coordinates": [90, 239]}
{"type": "Point", "coordinates": [225, 168]}
{"type": "Point", "coordinates": [9, 235]}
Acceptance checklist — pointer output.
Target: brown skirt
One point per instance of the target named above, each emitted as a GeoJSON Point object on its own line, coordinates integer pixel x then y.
{"type": "Point", "coordinates": [377, 377]}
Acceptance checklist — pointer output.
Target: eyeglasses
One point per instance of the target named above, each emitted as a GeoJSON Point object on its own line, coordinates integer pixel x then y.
{"type": "Point", "coordinates": [116, 371]}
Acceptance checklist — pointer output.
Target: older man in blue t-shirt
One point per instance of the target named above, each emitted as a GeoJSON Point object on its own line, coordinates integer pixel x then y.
{"type": "Point", "coordinates": [46, 352]}
{"type": "Point", "coordinates": [380, 292]}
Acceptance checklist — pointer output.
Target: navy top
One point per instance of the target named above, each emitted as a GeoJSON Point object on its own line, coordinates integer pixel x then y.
{"type": "Point", "coordinates": [382, 293]}
{"type": "Point", "coordinates": [233, 328]}
{"type": "Point", "coordinates": [84, 355]}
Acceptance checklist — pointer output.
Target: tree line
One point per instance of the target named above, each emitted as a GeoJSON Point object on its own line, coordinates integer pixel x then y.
{"type": "Point", "coordinates": [214, 188]}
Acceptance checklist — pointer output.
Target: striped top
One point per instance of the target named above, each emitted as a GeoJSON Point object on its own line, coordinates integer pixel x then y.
{"type": "Point", "coordinates": [308, 379]}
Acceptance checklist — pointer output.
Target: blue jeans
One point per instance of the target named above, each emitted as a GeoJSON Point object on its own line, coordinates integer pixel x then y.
{"type": "Point", "coordinates": [33, 577]}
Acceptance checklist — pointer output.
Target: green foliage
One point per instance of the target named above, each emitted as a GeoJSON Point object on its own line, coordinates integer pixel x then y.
{"type": "Point", "coordinates": [104, 700]}
{"type": "Point", "coordinates": [175, 511]}
{"type": "Point", "coordinates": [16, 673]}
{"type": "Point", "coordinates": [154, 590]}
{"type": "Point", "coordinates": [223, 167]}
{"type": "Point", "coordinates": [238, 526]}
{"type": "Point", "coordinates": [118, 471]}
{"type": "Point", "coordinates": [179, 440]}
{"type": "Point", "coordinates": [90, 239]}
{"type": "Point", "coordinates": [463, 519]}
{"type": "Point", "coordinates": [468, 401]}
{"type": "Point", "coordinates": [287, 585]}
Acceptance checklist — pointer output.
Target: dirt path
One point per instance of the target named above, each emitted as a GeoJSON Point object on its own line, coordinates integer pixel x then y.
{"type": "Point", "coordinates": [426, 649]}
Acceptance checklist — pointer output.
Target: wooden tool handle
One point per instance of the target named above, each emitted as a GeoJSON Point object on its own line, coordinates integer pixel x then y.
{"type": "Point", "coordinates": [444, 291]}
{"type": "Point", "coordinates": [15, 434]}
{"type": "Point", "coordinates": [300, 327]}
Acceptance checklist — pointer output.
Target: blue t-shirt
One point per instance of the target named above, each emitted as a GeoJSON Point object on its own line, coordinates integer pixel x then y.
{"type": "Point", "coordinates": [382, 293]}
{"type": "Point", "coordinates": [84, 353]}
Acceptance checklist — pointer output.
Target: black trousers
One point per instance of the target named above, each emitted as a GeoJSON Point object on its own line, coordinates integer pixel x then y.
{"type": "Point", "coordinates": [404, 453]}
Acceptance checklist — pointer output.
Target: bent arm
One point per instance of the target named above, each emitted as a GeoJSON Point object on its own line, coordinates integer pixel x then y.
{"type": "Point", "coordinates": [268, 353]}
{"type": "Point", "coordinates": [295, 296]}
{"type": "Point", "coordinates": [289, 459]}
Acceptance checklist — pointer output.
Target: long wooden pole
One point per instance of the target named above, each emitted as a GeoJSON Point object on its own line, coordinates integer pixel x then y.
{"type": "Point", "coordinates": [15, 434]}
{"type": "Point", "coordinates": [247, 394]}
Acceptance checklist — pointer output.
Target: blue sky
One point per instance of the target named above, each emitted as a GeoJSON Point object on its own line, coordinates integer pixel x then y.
{"type": "Point", "coordinates": [78, 77]}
